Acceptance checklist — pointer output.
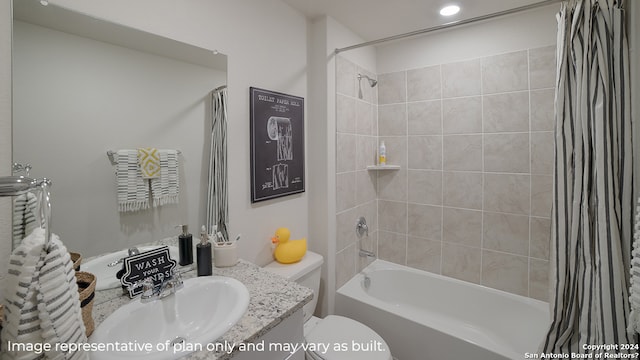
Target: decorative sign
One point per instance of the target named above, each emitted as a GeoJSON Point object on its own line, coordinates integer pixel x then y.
{"type": "Point", "coordinates": [277, 144]}
{"type": "Point", "coordinates": [156, 264]}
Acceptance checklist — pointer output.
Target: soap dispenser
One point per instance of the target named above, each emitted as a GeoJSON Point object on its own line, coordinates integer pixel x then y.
{"type": "Point", "coordinates": [203, 251]}
{"type": "Point", "coordinates": [185, 246]}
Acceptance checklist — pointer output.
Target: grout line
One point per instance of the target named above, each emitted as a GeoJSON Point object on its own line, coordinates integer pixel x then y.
{"type": "Point", "coordinates": [530, 177]}
{"type": "Point", "coordinates": [406, 122]}
{"type": "Point", "coordinates": [442, 170]}
{"type": "Point", "coordinates": [482, 96]}
{"type": "Point", "coordinates": [375, 246]}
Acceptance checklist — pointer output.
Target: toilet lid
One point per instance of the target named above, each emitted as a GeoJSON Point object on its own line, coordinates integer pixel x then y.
{"type": "Point", "coordinates": [347, 339]}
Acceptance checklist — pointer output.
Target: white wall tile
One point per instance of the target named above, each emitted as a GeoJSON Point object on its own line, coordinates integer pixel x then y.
{"type": "Point", "coordinates": [392, 120]}
{"type": "Point", "coordinates": [505, 72]}
{"type": "Point", "coordinates": [542, 67]}
{"type": "Point", "coordinates": [424, 118]}
{"type": "Point", "coordinates": [461, 79]}
{"type": "Point", "coordinates": [506, 152]}
{"type": "Point", "coordinates": [424, 84]}
{"type": "Point", "coordinates": [425, 152]}
{"type": "Point", "coordinates": [392, 88]}
{"type": "Point", "coordinates": [506, 112]}
{"type": "Point", "coordinates": [462, 152]}
{"type": "Point", "coordinates": [462, 115]}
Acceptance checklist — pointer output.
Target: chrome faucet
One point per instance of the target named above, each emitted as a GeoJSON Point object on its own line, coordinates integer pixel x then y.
{"type": "Point", "coordinates": [362, 229]}
{"type": "Point", "coordinates": [152, 292]}
{"type": "Point", "coordinates": [132, 251]}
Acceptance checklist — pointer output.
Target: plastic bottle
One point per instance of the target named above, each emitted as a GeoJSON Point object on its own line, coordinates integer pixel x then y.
{"type": "Point", "coordinates": [382, 154]}
{"type": "Point", "coordinates": [203, 251]}
{"type": "Point", "coordinates": [185, 247]}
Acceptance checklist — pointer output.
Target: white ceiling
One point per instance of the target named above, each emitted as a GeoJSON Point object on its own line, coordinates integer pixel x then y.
{"type": "Point", "coordinates": [376, 19]}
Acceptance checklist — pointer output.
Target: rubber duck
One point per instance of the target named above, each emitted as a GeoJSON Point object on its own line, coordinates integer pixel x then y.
{"type": "Point", "coordinates": [288, 251]}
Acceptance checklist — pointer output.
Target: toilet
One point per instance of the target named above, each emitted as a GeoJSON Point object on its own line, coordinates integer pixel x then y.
{"type": "Point", "coordinates": [333, 329]}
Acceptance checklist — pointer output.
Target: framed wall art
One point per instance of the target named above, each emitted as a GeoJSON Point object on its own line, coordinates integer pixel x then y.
{"type": "Point", "coordinates": [277, 144]}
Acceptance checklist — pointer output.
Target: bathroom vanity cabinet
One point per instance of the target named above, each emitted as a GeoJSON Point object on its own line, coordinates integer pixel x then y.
{"type": "Point", "coordinates": [273, 319]}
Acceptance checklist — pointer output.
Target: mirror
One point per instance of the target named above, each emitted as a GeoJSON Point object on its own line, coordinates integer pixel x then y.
{"type": "Point", "coordinates": [83, 86]}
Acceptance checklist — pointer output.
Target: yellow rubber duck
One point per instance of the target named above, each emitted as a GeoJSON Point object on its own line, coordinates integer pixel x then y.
{"type": "Point", "coordinates": [288, 251]}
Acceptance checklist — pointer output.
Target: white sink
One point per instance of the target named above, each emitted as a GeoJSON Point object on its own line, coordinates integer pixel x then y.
{"type": "Point", "coordinates": [105, 275]}
{"type": "Point", "coordinates": [202, 311]}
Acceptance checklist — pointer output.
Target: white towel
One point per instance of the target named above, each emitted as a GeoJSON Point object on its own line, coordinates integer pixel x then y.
{"type": "Point", "coordinates": [165, 189]}
{"type": "Point", "coordinates": [59, 301]}
{"type": "Point", "coordinates": [133, 190]}
{"type": "Point", "coordinates": [634, 288]}
{"type": "Point", "coordinates": [25, 208]}
{"type": "Point", "coordinates": [41, 300]}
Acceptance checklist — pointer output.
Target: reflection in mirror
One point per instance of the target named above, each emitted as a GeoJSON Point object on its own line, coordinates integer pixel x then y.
{"type": "Point", "coordinates": [83, 86]}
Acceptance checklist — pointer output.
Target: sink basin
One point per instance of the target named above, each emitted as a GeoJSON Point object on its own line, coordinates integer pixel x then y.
{"type": "Point", "coordinates": [199, 313]}
{"type": "Point", "coordinates": [106, 276]}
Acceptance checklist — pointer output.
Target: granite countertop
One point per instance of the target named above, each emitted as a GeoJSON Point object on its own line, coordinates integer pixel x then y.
{"type": "Point", "coordinates": [272, 299]}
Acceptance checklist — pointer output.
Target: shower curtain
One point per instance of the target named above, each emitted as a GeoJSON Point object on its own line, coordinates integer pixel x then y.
{"type": "Point", "coordinates": [592, 197]}
{"type": "Point", "coordinates": [217, 206]}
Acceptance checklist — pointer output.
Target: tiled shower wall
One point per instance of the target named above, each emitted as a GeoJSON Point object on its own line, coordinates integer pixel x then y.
{"type": "Point", "coordinates": [472, 199]}
{"type": "Point", "coordinates": [356, 139]}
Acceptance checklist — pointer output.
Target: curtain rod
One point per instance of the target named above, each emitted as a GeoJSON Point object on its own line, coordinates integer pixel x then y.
{"type": "Point", "coordinates": [449, 25]}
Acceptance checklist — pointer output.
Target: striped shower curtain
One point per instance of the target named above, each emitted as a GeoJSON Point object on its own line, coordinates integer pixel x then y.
{"type": "Point", "coordinates": [217, 206]}
{"type": "Point", "coordinates": [592, 196]}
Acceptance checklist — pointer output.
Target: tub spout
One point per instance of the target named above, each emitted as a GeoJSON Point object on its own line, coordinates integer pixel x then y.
{"type": "Point", "coordinates": [365, 253]}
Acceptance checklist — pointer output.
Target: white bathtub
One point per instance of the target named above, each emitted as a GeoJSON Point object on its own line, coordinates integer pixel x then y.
{"type": "Point", "coordinates": [424, 316]}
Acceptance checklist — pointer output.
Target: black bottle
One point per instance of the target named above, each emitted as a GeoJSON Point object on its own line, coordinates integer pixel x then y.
{"type": "Point", "coordinates": [185, 247]}
{"type": "Point", "coordinates": [203, 251]}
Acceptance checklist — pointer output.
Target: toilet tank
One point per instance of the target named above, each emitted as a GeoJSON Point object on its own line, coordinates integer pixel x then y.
{"type": "Point", "coordinates": [305, 272]}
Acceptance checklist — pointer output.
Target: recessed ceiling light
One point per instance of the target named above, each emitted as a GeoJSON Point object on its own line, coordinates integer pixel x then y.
{"type": "Point", "coordinates": [449, 10]}
{"type": "Point", "coordinates": [44, 2]}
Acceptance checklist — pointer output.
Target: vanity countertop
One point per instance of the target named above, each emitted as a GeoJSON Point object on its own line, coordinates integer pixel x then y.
{"type": "Point", "coordinates": [272, 299]}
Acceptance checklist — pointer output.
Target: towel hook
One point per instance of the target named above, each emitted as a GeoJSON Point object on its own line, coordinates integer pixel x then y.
{"type": "Point", "coordinates": [45, 208]}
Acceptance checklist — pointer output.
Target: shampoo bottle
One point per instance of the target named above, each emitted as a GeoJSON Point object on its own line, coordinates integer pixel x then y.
{"type": "Point", "coordinates": [382, 154]}
{"type": "Point", "coordinates": [203, 251]}
{"type": "Point", "coordinates": [185, 247]}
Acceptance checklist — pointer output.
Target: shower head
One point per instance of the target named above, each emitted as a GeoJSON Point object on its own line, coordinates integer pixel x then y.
{"type": "Point", "coordinates": [372, 82]}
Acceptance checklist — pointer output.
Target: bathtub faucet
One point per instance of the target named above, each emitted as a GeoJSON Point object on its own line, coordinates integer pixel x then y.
{"type": "Point", "coordinates": [366, 253]}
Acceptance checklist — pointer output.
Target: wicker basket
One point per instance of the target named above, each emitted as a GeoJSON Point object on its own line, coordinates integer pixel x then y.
{"type": "Point", "coordinates": [86, 289]}
{"type": "Point", "coordinates": [76, 258]}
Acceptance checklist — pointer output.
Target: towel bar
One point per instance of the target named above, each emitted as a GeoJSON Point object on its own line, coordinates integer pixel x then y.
{"type": "Point", "coordinates": [111, 155]}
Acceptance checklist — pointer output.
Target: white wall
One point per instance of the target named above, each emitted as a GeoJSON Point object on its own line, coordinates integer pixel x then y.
{"type": "Point", "coordinates": [325, 35]}
{"type": "Point", "coordinates": [74, 98]}
{"type": "Point", "coordinates": [265, 41]}
{"type": "Point", "coordinates": [530, 29]}
{"type": "Point", "coordinates": [5, 132]}
{"type": "Point", "coordinates": [321, 184]}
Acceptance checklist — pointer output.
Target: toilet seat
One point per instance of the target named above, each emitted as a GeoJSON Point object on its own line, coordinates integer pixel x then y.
{"type": "Point", "coordinates": [358, 341]}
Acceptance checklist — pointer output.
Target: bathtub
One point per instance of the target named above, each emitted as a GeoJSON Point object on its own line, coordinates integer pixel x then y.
{"type": "Point", "coordinates": [424, 316]}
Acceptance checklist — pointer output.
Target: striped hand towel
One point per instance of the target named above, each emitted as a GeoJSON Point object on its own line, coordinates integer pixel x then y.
{"type": "Point", "coordinates": [165, 189]}
{"type": "Point", "coordinates": [41, 299]}
{"type": "Point", "coordinates": [634, 289]}
{"type": "Point", "coordinates": [149, 162]}
{"type": "Point", "coordinates": [25, 208]}
{"type": "Point", "coordinates": [59, 301]}
{"type": "Point", "coordinates": [22, 323]}
{"type": "Point", "coordinates": [133, 190]}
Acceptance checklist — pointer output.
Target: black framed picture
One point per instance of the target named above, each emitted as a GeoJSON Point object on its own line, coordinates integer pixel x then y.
{"type": "Point", "coordinates": [277, 144]}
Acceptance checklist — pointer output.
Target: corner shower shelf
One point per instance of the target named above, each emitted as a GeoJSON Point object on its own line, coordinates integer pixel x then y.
{"type": "Point", "coordinates": [383, 167]}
